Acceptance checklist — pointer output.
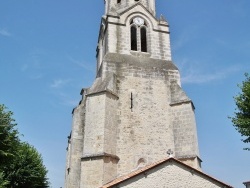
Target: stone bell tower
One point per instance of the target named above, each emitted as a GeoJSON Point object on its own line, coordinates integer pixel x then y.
{"type": "Point", "coordinates": [114, 5]}
{"type": "Point", "coordinates": [136, 110]}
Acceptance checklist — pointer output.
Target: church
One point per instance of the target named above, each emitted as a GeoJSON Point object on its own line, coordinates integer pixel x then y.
{"type": "Point", "coordinates": [135, 126]}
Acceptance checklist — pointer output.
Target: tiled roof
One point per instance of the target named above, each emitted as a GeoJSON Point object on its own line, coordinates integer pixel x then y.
{"type": "Point", "coordinates": [153, 165]}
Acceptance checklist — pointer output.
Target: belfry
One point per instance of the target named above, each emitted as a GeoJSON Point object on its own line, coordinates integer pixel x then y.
{"type": "Point", "coordinates": [136, 113]}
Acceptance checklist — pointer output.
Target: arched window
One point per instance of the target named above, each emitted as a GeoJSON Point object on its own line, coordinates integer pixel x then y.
{"type": "Point", "coordinates": [138, 34]}
{"type": "Point", "coordinates": [143, 39]}
{"type": "Point", "coordinates": [133, 32]}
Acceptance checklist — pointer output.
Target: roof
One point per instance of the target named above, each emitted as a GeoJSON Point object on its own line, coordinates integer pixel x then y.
{"type": "Point", "coordinates": [153, 165]}
{"type": "Point", "coordinates": [141, 59]}
{"type": "Point", "coordinates": [246, 183]}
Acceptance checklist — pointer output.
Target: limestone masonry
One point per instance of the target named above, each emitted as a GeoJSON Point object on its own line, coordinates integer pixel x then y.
{"type": "Point", "coordinates": [136, 110]}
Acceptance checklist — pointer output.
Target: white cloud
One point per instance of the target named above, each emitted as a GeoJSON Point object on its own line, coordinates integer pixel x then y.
{"type": "Point", "coordinates": [181, 41]}
{"type": "Point", "coordinates": [185, 36]}
{"type": "Point", "coordinates": [59, 83]}
{"type": "Point", "coordinates": [202, 78]}
{"type": "Point", "coordinates": [5, 33]}
{"type": "Point", "coordinates": [70, 102]}
{"type": "Point", "coordinates": [67, 100]}
{"type": "Point", "coordinates": [34, 60]}
{"type": "Point", "coordinates": [193, 74]}
{"type": "Point", "coordinates": [81, 64]}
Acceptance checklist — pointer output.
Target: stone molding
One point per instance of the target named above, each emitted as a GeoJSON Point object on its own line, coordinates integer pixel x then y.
{"type": "Point", "coordinates": [98, 156]}
{"type": "Point", "coordinates": [103, 91]}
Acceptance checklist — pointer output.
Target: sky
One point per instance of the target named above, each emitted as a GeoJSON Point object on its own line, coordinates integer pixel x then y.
{"type": "Point", "coordinates": [47, 54]}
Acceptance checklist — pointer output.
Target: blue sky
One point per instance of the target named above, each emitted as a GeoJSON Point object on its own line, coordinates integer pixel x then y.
{"type": "Point", "coordinates": [47, 54]}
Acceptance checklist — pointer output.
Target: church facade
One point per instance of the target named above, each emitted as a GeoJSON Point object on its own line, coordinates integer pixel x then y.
{"type": "Point", "coordinates": [136, 110]}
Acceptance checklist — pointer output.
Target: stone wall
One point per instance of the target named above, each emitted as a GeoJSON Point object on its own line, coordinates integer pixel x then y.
{"type": "Point", "coordinates": [117, 34]}
{"type": "Point", "coordinates": [73, 168]}
{"type": "Point", "coordinates": [92, 173]}
{"type": "Point", "coordinates": [94, 124]}
{"type": "Point", "coordinates": [148, 125]}
{"type": "Point", "coordinates": [184, 127]}
{"type": "Point", "coordinates": [170, 175]}
{"type": "Point", "coordinates": [99, 147]}
{"type": "Point", "coordinates": [144, 132]}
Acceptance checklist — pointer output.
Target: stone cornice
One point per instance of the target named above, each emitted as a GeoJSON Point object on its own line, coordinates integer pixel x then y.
{"type": "Point", "coordinates": [99, 156]}
{"type": "Point", "coordinates": [103, 91]}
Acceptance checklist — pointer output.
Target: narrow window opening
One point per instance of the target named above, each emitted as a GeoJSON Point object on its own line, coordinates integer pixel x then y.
{"type": "Point", "coordinates": [118, 1]}
{"type": "Point", "coordinates": [133, 38]}
{"type": "Point", "coordinates": [131, 102]}
{"type": "Point", "coordinates": [68, 170]}
{"type": "Point", "coordinates": [143, 39]}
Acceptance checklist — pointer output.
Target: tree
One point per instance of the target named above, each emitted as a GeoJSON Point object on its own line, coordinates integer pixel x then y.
{"type": "Point", "coordinates": [27, 169]}
{"type": "Point", "coordinates": [21, 166]}
{"type": "Point", "coordinates": [8, 135]}
{"type": "Point", "coordinates": [241, 119]}
{"type": "Point", "coordinates": [3, 182]}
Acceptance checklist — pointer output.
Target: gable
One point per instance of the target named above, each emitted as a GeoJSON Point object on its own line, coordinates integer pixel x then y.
{"type": "Point", "coordinates": [127, 9]}
{"type": "Point", "coordinates": [139, 9]}
{"type": "Point", "coordinates": [168, 173]}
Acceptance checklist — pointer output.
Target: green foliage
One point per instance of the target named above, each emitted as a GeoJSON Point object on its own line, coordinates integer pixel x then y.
{"type": "Point", "coordinates": [21, 166]}
{"type": "Point", "coordinates": [3, 182]}
{"type": "Point", "coordinates": [27, 169]}
{"type": "Point", "coordinates": [241, 119]}
{"type": "Point", "coordinates": [8, 135]}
